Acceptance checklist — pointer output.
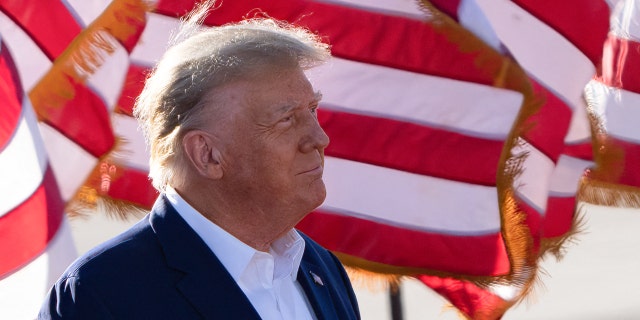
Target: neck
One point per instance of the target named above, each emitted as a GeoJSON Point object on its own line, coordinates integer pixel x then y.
{"type": "Point", "coordinates": [253, 225]}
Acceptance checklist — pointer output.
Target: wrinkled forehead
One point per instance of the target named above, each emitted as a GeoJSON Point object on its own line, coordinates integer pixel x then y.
{"type": "Point", "coordinates": [278, 91]}
{"type": "Point", "coordinates": [266, 93]}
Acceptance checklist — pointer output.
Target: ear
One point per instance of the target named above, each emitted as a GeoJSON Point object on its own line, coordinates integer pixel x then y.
{"type": "Point", "coordinates": [203, 154]}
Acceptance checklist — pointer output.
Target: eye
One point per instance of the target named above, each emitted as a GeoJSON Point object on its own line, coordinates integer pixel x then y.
{"type": "Point", "coordinates": [287, 118]}
{"type": "Point", "coordinates": [314, 110]}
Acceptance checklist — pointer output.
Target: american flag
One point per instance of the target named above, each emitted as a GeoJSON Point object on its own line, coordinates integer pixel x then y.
{"type": "Point", "coordinates": [614, 96]}
{"type": "Point", "coordinates": [458, 137]}
{"type": "Point", "coordinates": [61, 62]}
{"type": "Point", "coordinates": [35, 243]}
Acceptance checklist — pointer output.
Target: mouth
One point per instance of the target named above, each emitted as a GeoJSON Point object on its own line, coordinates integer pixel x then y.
{"type": "Point", "coordinates": [313, 171]}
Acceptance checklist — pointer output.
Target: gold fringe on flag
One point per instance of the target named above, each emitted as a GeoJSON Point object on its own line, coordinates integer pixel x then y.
{"type": "Point", "coordinates": [121, 22]}
{"type": "Point", "coordinates": [600, 185]}
{"type": "Point", "coordinates": [93, 194]}
{"type": "Point", "coordinates": [558, 246]}
{"type": "Point", "coordinates": [87, 53]}
{"type": "Point", "coordinates": [510, 76]}
{"type": "Point", "coordinates": [608, 194]}
{"type": "Point", "coordinates": [524, 259]}
{"type": "Point", "coordinates": [372, 281]}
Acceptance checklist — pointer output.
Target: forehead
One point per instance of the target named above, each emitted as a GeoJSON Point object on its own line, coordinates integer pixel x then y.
{"type": "Point", "coordinates": [276, 91]}
{"type": "Point", "coordinates": [262, 96]}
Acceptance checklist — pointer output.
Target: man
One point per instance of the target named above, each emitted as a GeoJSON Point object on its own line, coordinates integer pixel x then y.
{"type": "Point", "coordinates": [237, 153]}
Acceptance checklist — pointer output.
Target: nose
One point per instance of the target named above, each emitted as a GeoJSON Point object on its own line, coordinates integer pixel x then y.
{"type": "Point", "coordinates": [314, 137]}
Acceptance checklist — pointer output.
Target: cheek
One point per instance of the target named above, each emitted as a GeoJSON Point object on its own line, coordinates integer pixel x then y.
{"type": "Point", "coordinates": [269, 156]}
{"type": "Point", "coordinates": [269, 164]}
{"type": "Point", "coordinates": [278, 165]}
{"type": "Point", "coordinates": [279, 152]}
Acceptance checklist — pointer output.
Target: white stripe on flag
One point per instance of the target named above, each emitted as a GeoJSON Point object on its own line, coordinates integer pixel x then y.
{"type": "Point", "coordinates": [566, 175]}
{"type": "Point", "coordinates": [625, 20]}
{"type": "Point", "coordinates": [69, 162]}
{"type": "Point", "coordinates": [108, 80]}
{"type": "Point", "coordinates": [24, 290]}
{"type": "Point", "coordinates": [580, 126]}
{"type": "Point", "coordinates": [133, 152]}
{"type": "Point", "coordinates": [154, 39]}
{"type": "Point", "coordinates": [619, 109]}
{"type": "Point", "coordinates": [545, 54]}
{"type": "Point", "coordinates": [533, 182]}
{"type": "Point", "coordinates": [472, 18]}
{"type": "Point", "coordinates": [410, 200]}
{"type": "Point", "coordinates": [389, 7]}
{"type": "Point", "coordinates": [86, 11]}
{"type": "Point", "coordinates": [482, 111]}
{"type": "Point", "coordinates": [31, 63]}
{"type": "Point", "coordinates": [25, 154]}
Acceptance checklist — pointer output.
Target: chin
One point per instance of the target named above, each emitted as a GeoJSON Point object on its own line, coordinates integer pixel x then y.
{"type": "Point", "coordinates": [315, 197]}
{"type": "Point", "coordinates": [318, 202]}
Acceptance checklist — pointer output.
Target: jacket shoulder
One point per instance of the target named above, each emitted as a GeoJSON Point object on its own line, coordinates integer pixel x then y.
{"type": "Point", "coordinates": [128, 249]}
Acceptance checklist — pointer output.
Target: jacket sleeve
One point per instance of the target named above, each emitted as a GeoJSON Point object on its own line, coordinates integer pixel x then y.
{"type": "Point", "coordinates": [70, 299]}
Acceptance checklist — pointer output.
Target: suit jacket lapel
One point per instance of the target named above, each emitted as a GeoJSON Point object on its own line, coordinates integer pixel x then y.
{"type": "Point", "coordinates": [206, 284]}
{"type": "Point", "coordinates": [313, 281]}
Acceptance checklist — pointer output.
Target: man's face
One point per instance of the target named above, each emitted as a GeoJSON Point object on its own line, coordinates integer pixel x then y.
{"type": "Point", "coordinates": [273, 154]}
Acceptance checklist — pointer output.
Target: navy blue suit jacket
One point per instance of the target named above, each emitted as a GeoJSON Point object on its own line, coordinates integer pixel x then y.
{"type": "Point", "coordinates": [161, 269]}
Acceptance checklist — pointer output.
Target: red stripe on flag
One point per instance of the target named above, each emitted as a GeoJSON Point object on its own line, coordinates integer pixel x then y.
{"type": "Point", "coordinates": [475, 302]}
{"type": "Point", "coordinates": [568, 18]}
{"type": "Point", "coordinates": [565, 17]}
{"type": "Point", "coordinates": [550, 124]}
{"type": "Point", "coordinates": [12, 95]}
{"type": "Point", "coordinates": [533, 221]}
{"type": "Point", "coordinates": [556, 222]}
{"type": "Point", "coordinates": [373, 38]}
{"type": "Point", "coordinates": [133, 186]}
{"type": "Point", "coordinates": [47, 22]}
{"type": "Point", "coordinates": [27, 229]}
{"type": "Point", "coordinates": [449, 7]}
{"type": "Point", "coordinates": [621, 64]}
{"type": "Point", "coordinates": [558, 219]}
{"type": "Point", "coordinates": [580, 150]}
{"type": "Point", "coordinates": [175, 8]}
{"type": "Point", "coordinates": [480, 255]}
{"type": "Point", "coordinates": [623, 164]}
{"type": "Point", "coordinates": [83, 119]}
{"type": "Point", "coordinates": [133, 84]}
{"type": "Point", "coordinates": [136, 26]}
{"type": "Point", "coordinates": [411, 147]}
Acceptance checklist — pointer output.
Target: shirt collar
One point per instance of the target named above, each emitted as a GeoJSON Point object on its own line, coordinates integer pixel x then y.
{"type": "Point", "coordinates": [234, 254]}
{"type": "Point", "coordinates": [287, 251]}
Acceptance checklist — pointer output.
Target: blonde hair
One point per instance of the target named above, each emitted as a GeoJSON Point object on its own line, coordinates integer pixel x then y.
{"type": "Point", "coordinates": [202, 60]}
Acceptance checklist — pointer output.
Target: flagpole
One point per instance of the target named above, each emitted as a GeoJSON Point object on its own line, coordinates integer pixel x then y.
{"type": "Point", "coordinates": [395, 300]}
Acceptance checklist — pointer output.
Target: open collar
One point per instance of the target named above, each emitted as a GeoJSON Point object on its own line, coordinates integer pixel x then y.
{"type": "Point", "coordinates": [203, 273]}
{"type": "Point", "coordinates": [202, 270]}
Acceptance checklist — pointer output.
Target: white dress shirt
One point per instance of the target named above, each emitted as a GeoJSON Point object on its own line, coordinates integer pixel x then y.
{"type": "Point", "coordinates": [268, 279]}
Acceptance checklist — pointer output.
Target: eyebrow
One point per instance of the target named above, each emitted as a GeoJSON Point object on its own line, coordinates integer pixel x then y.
{"type": "Point", "coordinates": [317, 96]}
